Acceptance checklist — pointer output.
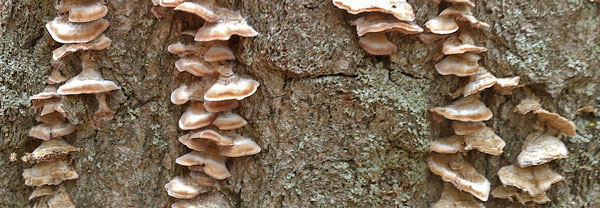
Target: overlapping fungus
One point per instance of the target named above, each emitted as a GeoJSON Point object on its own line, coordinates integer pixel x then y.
{"type": "Point", "coordinates": [464, 128]}
{"type": "Point", "coordinates": [229, 23]}
{"type": "Point", "coordinates": [556, 121]}
{"type": "Point", "coordinates": [468, 109]}
{"type": "Point", "coordinates": [448, 145]}
{"type": "Point", "coordinates": [541, 148]}
{"type": "Point", "coordinates": [398, 8]}
{"type": "Point", "coordinates": [454, 198]}
{"type": "Point", "coordinates": [442, 25]}
{"type": "Point", "coordinates": [479, 81]}
{"type": "Point", "coordinates": [510, 192]}
{"type": "Point", "coordinates": [49, 173]}
{"type": "Point", "coordinates": [535, 180]}
{"type": "Point", "coordinates": [485, 140]}
{"type": "Point", "coordinates": [463, 43]}
{"type": "Point", "coordinates": [230, 88]}
{"type": "Point", "coordinates": [453, 169]}
{"type": "Point", "coordinates": [460, 65]}
{"type": "Point", "coordinates": [195, 117]}
{"type": "Point", "coordinates": [50, 150]}
{"type": "Point", "coordinates": [63, 31]}
{"type": "Point", "coordinates": [214, 165]}
{"type": "Point", "coordinates": [378, 22]}
{"type": "Point", "coordinates": [462, 12]}
{"type": "Point", "coordinates": [377, 44]}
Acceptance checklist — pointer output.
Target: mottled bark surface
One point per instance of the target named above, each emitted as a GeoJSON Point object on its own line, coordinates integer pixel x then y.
{"type": "Point", "coordinates": [338, 127]}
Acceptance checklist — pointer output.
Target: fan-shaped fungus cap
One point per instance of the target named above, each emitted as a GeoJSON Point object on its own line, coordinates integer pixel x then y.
{"type": "Point", "coordinates": [453, 169]}
{"type": "Point", "coordinates": [541, 148]}
{"type": "Point", "coordinates": [50, 150]}
{"type": "Point", "coordinates": [41, 191]}
{"type": "Point", "coordinates": [479, 81]}
{"type": "Point", "coordinates": [465, 109]}
{"type": "Point", "coordinates": [448, 145]}
{"type": "Point", "coordinates": [229, 23]}
{"type": "Point", "coordinates": [219, 51]}
{"type": "Point", "coordinates": [53, 105]}
{"type": "Point", "coordinates": [195, 65]}
{"type": "Point", "coordinates": [63, 31]}
{"type": "Point", "coordinates": [463, 43]}
{"type": "Point", "coordinates": [100, 43]}
{"type": "Point", "coordinates": [241, 147]}
{"type": "Point", "coordinates": [202, 178]}
{"type": "Point", "coordinates": [485, 141]}
{"type": "Point", "coordinates": [464, 128]}
{"type": "Point", "coordinates": [454, 198]}
{"type": "Point", "coordinates": [195, 117]}
{"type": "Point", "coordinates": [89, 81]}
{"type": "Point", "coordinates": [195, 143]}
{"type": "Point", "coordinates": [528, 104]}
{"type": "Point", "coordinates": [399, 8]}
{"type": "Point", "coordinates": [202, 8]}
{"type": "Point", "coordinates": [182, 188]}
{"type": "Point", "coordinates": [508, 192]}
{"type": "Point", "coordinates": [229, 121]}
{"type": "Point", "coordinates": [232, 87]}
{"type": "Point", "coordinates": [195, 91]}
{"type": "Point", "coordinates": [210, 200]}
{"type": "Point", "coordinates": [463, 12]}
{"type": "Point", "coordinates": [556, 121]}
{"type": "Point", "coordinates": [460, 65]}
{"type": "Point", "coordinates": [182, 50]}
{"type": "Point", "coordinates": [214, 165]}
{"type": "Point", "coordinates": [379, 22]}
{"type": "Point", "coordinates": [504, 86]}
{"type": "Point", "coordinates": [61, 199]}
{"type": "Point", "coordinates": [535, 180]}
{"type": "Point", "coordinates": [170, 3]}
{"type": "Point", "coordinates": [377, 44]}
{"type": "Point", "coordinates": [82, 11]}
{"type": "Point", "coordinates": [47, 131]}
{"type": "Point", "coordinates": [49, 92]}
{"type": "Point", "coordinates": [442, 25]}
{"type": "Point", "coordinates": [213, 135]}
{"type": "Point", "coordinates": [49, 173]}
{"type": "Point", "coordinates": [220, 106]}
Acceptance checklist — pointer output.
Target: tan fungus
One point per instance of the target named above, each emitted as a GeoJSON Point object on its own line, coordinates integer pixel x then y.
{"type": "Point", "coordinates": [399, 8]}
{"type": "Point", "coordinates": [89, 81]}
{"type": "Point", "coordinates": [183, 50]}
{"type": "Point", "coordinates": [509, 192]}
{"type": "Point", "coordinates": [196, 66]}
{"type": "Point", "coordinates": [202, 8]}
{"type": "Point", "coordinates": [460, 65]}
{"type": "Point", "coordinates": [213, 135]}
{"type": "Point", "coordinates": [195, 91]}
{"type": "Point", "coordinates": [182, 188]}
{"type": "Point", "coordinates": [556, 121]}
{"type": "Point", "coordinates": [485, 141]}
{"type": "Point", "coordinates": [229, 121]}
{"type": "Point", "coordinates": [377, 44]}
{"type": "Point", "coordinates": [60, 199]}
{"type": "Point", "coordinates": [49, 173]}
{"type": "Point", "coordinates": [229, 23]}
{"type": "Point", "coordinates": [197, 144]}
{"type": "Point", "coordinates": [63, 31]}
{"type": "Point", "coordinates": [41, 191]}
{"type": "Point", "coordinates": [504, 86]}
{"type": "Point", "coordinates": [479, 81]}
{"type": "Point", "coordinates": [586, 109]}
{"type": "Point", "coordinates": [448, 145]}
{"type": "Point", "coordinates": [442, 25]}
{"type": "Point", "coordinates": [170, 3]}
{"type": "Point", "coordinates": [379, 22]}
{"type": "Point", "coordinates": [50, 150]}
{"type": "Point", "coordinates": [214, 165]}
{"type": "Point", "coordinates": [87, 13]}
{"type": "Point", "coordinates": [49, 92]}
{"type": "Point", "coordinates": [242, 146]}
{"type": "Point", "coordinates": [528, 104]}
{"type": "Point", "coordinates": [104, 112]}
{"type": "Point", "coordinates": [55, 77]}
{"type": "Point", "coordinates": [220, 106]}
{"type": "Point", "coordinates": [53, 105]}
{"type": "Point", "coordinates": [232, 87]}
{"type": "Point", "coordinates": [201, 178]}
{"type": "Point", "coordinates": [47, 131]}
{"type": "Point", "coordinates": [454, 198]}
{"type": "Point", "coordinates": [541, 148]}
{"type": "Point", "coordinates": [464, 128]}
{"type": "Point", "coordinates": [535, 180]}
{"type": "Point", "coordinates": [453, 169]}
{"type": "Point", "coordinates": [463, 43]}
{"type": "Point", "coordinates": [463, 12]}
{"type": "Point", "coordinates": [100, 43]}
{"type": "Point", "coordinates": [468, 109]}
{"type": "Point", "coordinates": [219, 51]}
{"type": "Point", "coordinates": [195, 117]}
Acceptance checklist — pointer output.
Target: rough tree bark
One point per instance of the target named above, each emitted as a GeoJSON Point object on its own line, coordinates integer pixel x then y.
{"type": "Point", "coordinates": [338, 127]}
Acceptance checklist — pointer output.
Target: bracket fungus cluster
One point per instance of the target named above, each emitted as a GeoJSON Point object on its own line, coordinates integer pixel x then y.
{"type": "Point", "coordinates": [454, 28]}
{"type": "Point", "coordinates": [212, 99]}
{"type": "Point", "coordinates": [531, 178]}
{"type": "Point", "coordinates": [381, 16]}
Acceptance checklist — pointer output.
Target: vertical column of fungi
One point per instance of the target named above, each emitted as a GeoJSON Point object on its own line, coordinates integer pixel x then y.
{"type": "Point", "coordinates": [530, 178]}
{"type": "Point", "coordinates": [79, 27]}
{"type": "Point", "coordinates": [453, 27]}
{"type": "Point", "coordinates": [212, 98]}
{"type": "Point", "coordinates": [382, 16]}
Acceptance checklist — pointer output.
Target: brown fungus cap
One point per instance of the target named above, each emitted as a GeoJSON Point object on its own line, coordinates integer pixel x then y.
{"type": "Point", "coordinates": [195, 91]}
{"type": "Point", "coordinates": [454, 198]}
{"type": "Point", "coordinates": [196, 66]}
{"type": "Point", "coordinates": [379, 22]}
{"type": "Point", "coordinates": [183, 188]}
{"type": "Point", "coordinates": [214, 165]}
{"type": "Point", "coordinates": [229, 121]}
{"type": "Point", "coordinates": [541, 148]}
{"type": "Point", "coordinates": [535, 180]}
{"type": "Point", "coordinates": [170, 3]}
{"type": "Point", "coordinates": [442, 25]}
{"type": "Point", "coordinates": [197, 144]}
{"type": "Point", "coordinates": [479, 81]}
{"type": "Point", "coordinates": [465, 109]}
{"type": "Point", "coordinates": [41, 191]}
{"type": "Point", "coordinates": [219, 51]}
{"type": "Point", "coordinates": [89, 81]}
{"type": "Point", "coordinates": [183, 50]}
{"type": "Point", "coordinates": [63, 31]}
{"type": "Point", "coordinates": [201, 178]}
{"type": "Point", "coordinates": [229, 23]}
{"type": "Point", "coordinates": [220, 106]}
{"type": "Point", "coordinates": [504, 86]}
{"type": "Point", "coordinates": [528, 104]}
{"type": "Point", "coordinates": [214, 135]}
{"type": "Point", "coordinates": [463, 12]}
{"type": "Point", "coordinates": [50, 150]}
{"type": "Point", "coordinates": [460, 65]}
{"type": "Point", "coordinates": [448, 145]}
{"type": "Point", "coordinates": [53, 105]}
{"type": "Point", "coordinates": [202, 8]}
{"type": "Point", "coordinates": [87, 13]}
{"type": "Point", "coordinates": [51, 130]}
{"type": "Point", "coordinates": [463, 43]}
{"type": "Point", "coordinates": [399, 8]}
{"type": "Point", "coordinates": [453, 169]}
{"type": "Point", "coordinates": [49, 92]}
{"type": "Point", "coordinates": [377, 44]}
{"type": "Point", "coordinates": [509, 192]}
{"type": "Point", "coordinates": [195, 117]}
{"type": "Point", "coordinates": [100, 43]}
{"type": "Point", "coordinates": [485, 141]}
{"type": "Point", "coordinates": [49, 173]}
{"type": "Point", "coordinates": [242, 146]}
{"type": "Point", "coordinates": [556, 121]}
{"type": "Point", "coordinates": [464, 128]}
{"type": "Point", "coordinates": [210, 200]}
{"type": "Point", "coordinates": [232, 87]}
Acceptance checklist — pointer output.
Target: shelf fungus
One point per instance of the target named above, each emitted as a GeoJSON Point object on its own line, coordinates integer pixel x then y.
{"type": "Point", "coordinates": [556, 121]}
{"type": "Point", "coordinates": [54, 149]}
{"type": "Point", "coordinates": [63, 31]}
{"type": "Point", "coordinates": [203, 8]}
{"type": "Point", "coordinates": [89, 81]}
{"type": "Point", "coordinates": [49, 173]}
{"type": "Point", "coordinates": [194, 91]}
{"type": "Point", "coordinates": [479, 81]}
{"type": "Point", "coordinates": [541, 148]}
{"type": "Point", "coordinates": [463, 43]}
{"type": "Point", "coordinates": [214, 165]}
{"type": "Point", "coordinates": [241, 147]}
{"type": "Point", "coordinates": [454, 198]}
{"type": "Point", "coordinates": [468, 109]}
{"type": "Point", "coordinates": [220, 106]}
{"type": "Point", "coordinates": [100, 43]}
{"type": "Point", "coordinates": [54, 129]}
{"type": "Point", "coordinates": [485, 140]}
{"type": "Point", "coordinates": [229, 121]}
{"type": "Point", "coordinates": [196, 66]}
{"type": "Point", "coordinates": [509, 192]}
{"type": "Point", "coordinates": [442, 25]}
{"type": "Point", "coordinates": [230, 88]}
{"type": "Point", "coordinates": [197, 144]}
{"type": "Point", "coordinates": [82, 11]}
{"type": "Point", "coordinates": [535, 180]}
{"type": "Point", "coordinates": [183, 50]}
{"type": "Point", "coordinates": [464, 128]}
{"type": "Point", "coordinates": [504, 86]}
{"type": "Point", "coordinates": [229, 23]}
{"type": "Point", "coordinates": [219, 51]}
{"type": "Point", "coordinates": [210, 200]}
{"type": "Point", "coordinates": [528, 104]}
{"type": "Point", "coordinates": [195, 117]}
{"type": "Point", "coordinates": [49, 92]}
{"type": "Point", "coordinates": [453, 169]}
{"type": "Point", "coordinates": [218, 137]}
{"type": "Point", "coordinates": [462, 12]}
{"type": "Point", "coordinates": [460, 65]}
{"type": "Point", "coordinates": [41, 191]}
{"type": "Point", "coordinates": [448, 145]}
{"type": "Point", "coordinates": [184, 188]}
{"type": "Point", "coordinates": [379, 22]}
{"type": "Point", "coordinates": [377, 44]}
{"type": "Point", "coordinates": [398, 8]}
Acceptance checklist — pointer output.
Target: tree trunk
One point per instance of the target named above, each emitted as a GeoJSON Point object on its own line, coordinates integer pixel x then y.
{"type": "Point", "coordinates": [338, 127]}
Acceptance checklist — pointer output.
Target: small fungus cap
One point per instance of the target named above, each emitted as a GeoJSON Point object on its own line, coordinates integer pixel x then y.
{"type": "Point", "coordinates": [453, 169]}
{"type": "Point", "coordinates": [535, 180]}
{"type": "Point", "coordinates": [229, 121]}
{"type": "Point", "coordinates": [195, 143]}
{"type": "Point", "coordinates": [232, 87]}
{"type": "Point", "coordinates": [464, 128]}
{"type": "Point", "coordinates": [202, 8]}
{"type": "Point", "coordinates": [213, 135]}
{"type": "Point", "coordinates": [63, 31]}
{"type": "Point", "coordinates": [556, 121]}
{"type": "Point", "coordinates": [41, 191]}
{"type": "Point", "coordinates": [49, 173]}
{"type": "Point", "coordinates": [458, 44]}
{"type": "Point", "coordinates": [442, 25]}
{"type": "Point", "coordinates": [195, 91]}
{"type": "Point", "coordinates": [479, 81]}
{"type": "Point", "coordinates": [87, 13]}
{"type": "Point", "coordinates": [485, 140]}
{"type": "Point", "coordinates": [509, 192]}
{"type": "Point", "coordinates": [463, 13]}
{"type": "Point", "coordinates": [379, 22]}
{"type": "Point", "coordinates": [528, 104]}
{"type": "Point", "coordinates": [541, 148]}
{"type": "Point", "coordinates": [468, 109]}
{"type": "Point", "coordinates": [195, 117]}
{"type": "Point", "coordinates": [50, 150]}
{"type": "Point", "coordinates": [448, 145]}
{"type": "Point", "coordinates": [182, 188]}
{"type": "Point", "coordinates": [214, 165]}
{"type": "Point", "coordinates": [182, 50]}
{"type": "Point", "coordinates": [100, 43]}
{"type": "Point", "coordinates": [220, 106]}
{"type": "Point", "coordinates": [454, 198]}
{"type": "Point", "coordinates": [242, 146]}
{"type": "Point", "coordinates": [49, 92]}
{"type": "Point", "coordinates": [460, 65]}
{"type": "Point", "coordinates": [61, 199]}
{"type": "Point", "coordinates": [219, 51]}
{"type": "Point", "coordinates": [229, 23]}
{"type": "Point", "coordinates": [399, 8]}
{"type": "Point", "coordinates": [89, 81]}
{"type": "Point", "coordinates": [377, 44]}
{"type": "Point", "coordinates": [196, 66]}
{"type": "Point", "coordinates": [504, 86]}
